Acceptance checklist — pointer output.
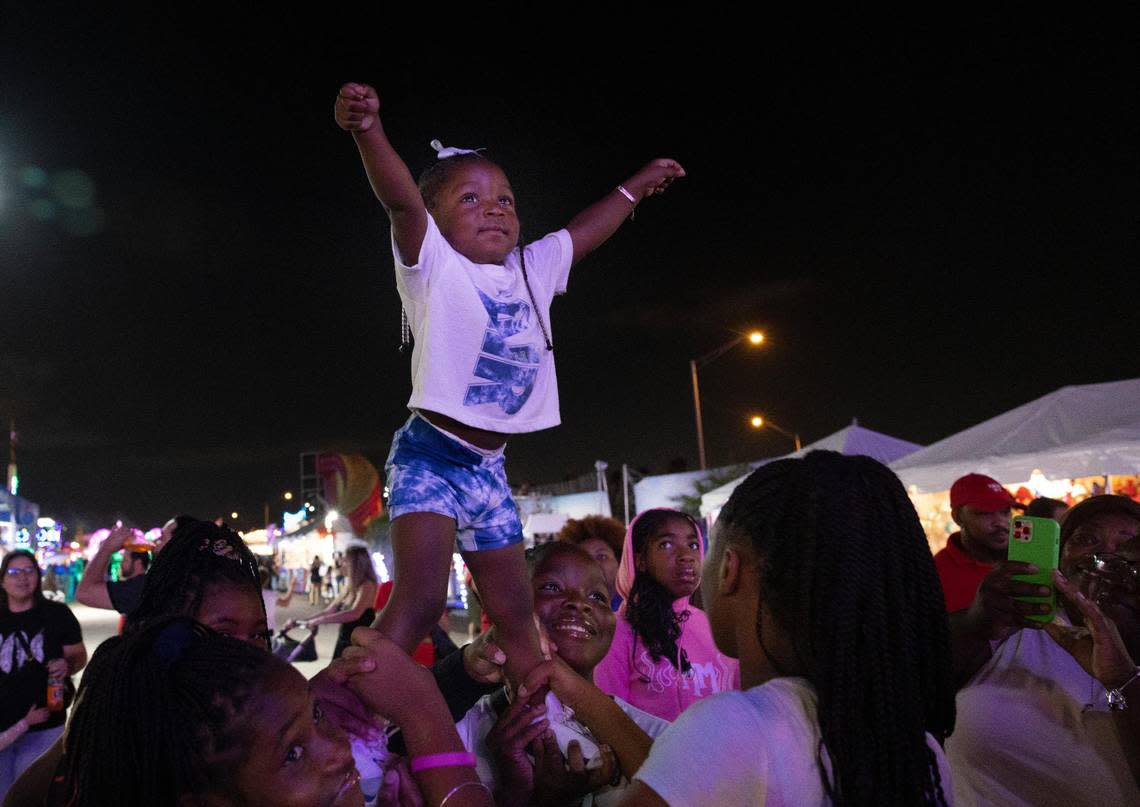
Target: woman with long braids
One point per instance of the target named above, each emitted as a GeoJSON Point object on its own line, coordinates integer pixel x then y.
{"type": "Point", "coordinates": [820, 582]}
{"type": "Point", "coordinates": [663, 657]}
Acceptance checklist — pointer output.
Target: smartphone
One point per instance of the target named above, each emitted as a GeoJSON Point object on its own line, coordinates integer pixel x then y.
{"type": "Point", "coordinates": [1037, 541]}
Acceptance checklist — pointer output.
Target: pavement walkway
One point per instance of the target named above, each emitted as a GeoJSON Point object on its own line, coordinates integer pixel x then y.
{"type": "Point", "coordinates": [99, 624]}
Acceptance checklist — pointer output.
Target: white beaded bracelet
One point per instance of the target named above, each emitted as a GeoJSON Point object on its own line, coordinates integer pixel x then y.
{"type": "Point", "coordinates": [632, 202]}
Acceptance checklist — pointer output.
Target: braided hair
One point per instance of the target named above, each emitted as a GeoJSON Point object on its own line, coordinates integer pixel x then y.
{"type": "Point", "coordinates": [649, 609]}
{"type": "Point", "coordinates": [199, 555]}
{"type": "Point", "coordinates": [848, 575]}
{"type": "Point", "coordinates": [164, 717]}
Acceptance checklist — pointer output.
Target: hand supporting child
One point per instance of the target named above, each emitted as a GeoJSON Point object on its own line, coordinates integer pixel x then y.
{"type": "Point", "coordinates": [386, 679]}
{"type": "Point", "coordinates": [551, 777]}
{"type": "Point", "coordinates": [483, 659]}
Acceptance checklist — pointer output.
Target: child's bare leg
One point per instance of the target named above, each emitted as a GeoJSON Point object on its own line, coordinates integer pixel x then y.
{"type": "Point", "coordinates": [505, 593]}
{"type": "Point", "coordinates": [422, 545]}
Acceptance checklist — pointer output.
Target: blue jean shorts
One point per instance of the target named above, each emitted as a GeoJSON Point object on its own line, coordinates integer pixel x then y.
{"type": "Point", "coordinates": [429, 472]}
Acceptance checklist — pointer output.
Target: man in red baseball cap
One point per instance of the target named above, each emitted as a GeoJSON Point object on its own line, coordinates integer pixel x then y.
{"type": "Point", "coordinates": [980, 506]}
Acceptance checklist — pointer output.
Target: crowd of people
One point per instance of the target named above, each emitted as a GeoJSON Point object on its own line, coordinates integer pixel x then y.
{"type": "Point", "coordinates": [823, 667]}
{"type": "Point", "coordinates": [810, 650]}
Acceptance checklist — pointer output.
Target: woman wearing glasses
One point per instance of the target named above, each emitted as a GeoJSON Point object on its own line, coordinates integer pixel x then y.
{"type": "Point", "coordinates": [40, 641]}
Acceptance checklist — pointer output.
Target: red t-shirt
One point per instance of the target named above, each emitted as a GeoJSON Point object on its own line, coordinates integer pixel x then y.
{"type": "Point", "coordinates": [960, 574]}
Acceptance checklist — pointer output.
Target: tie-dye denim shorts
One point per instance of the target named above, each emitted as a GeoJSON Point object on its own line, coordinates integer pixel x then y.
{"type": "Point", "coordinates": [430, 472]}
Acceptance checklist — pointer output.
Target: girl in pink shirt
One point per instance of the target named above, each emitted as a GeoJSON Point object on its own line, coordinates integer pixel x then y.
{"type": "Point", "coordinates": [663, 657]}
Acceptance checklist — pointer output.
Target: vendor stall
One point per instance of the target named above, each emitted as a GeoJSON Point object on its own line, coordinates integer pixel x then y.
{"type": "Point", "coordinates": [1070, 444]}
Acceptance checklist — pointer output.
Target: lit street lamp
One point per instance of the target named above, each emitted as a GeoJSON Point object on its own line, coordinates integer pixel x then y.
{"type": "Point", "coordinates": [286, 496]}
{"type": "Point", "coordinates": [755, 338]}
{"type": "Point", "coordinates": [759, 422]}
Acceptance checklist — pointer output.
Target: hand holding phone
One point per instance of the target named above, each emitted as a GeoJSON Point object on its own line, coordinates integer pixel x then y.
{"type": "Point", "coordinates": [1037, 541]}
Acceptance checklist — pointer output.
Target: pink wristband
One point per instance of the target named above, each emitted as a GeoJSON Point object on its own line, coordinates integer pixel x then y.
{"type": "Point", "coordinates": [448, 760]}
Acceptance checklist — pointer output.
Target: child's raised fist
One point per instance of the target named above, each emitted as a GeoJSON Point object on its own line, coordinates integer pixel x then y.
{"type": "Point", "coordinates": [357, 107]}
{"type": "Point", "coordinates": [655, 177]}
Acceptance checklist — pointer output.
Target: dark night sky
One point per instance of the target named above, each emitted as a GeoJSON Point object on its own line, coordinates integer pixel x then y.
{"type": "Point", "coordinates": [932, 226]}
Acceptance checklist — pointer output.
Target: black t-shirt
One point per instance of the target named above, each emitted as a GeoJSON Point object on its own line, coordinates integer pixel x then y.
{"type": "Point", "coordinates": [126, 594]}
{"type": "Point", "coordinates": [47, 628]}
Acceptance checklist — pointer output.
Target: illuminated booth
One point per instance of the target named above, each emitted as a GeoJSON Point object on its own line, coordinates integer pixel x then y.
{"type": "Point", "coordinates": [1070, 444]}
{"type": "Point", "coordinates": [350, 498]}
{"type": "Point", "coordinates": [18, 522]}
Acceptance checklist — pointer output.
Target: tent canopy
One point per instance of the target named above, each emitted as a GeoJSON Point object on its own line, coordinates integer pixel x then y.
{"type": "Point", "coordinates": [666, 490]}
{"type": "Point", "coordinates": [543, 523]}
{"type": "Point", "coordinates": [1076, 431]}
{"type": "Point", "coordinates": [852, 440]}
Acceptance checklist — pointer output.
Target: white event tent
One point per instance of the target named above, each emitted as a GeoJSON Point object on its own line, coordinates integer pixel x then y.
{"type": "Point", "coordinates": [1074, 432]}
{"type": "Point", "coordinates": [557, 510]}
{"type": "Point", "coordinates": [851, 440]}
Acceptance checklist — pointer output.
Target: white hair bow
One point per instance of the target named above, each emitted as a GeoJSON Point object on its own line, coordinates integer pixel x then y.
{"type": "Point", "coordinates": [443, 153]}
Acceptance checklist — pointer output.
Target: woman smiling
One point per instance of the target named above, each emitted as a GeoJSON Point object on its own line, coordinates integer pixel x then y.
{"type": "Point", "coordinates": [39, 639]}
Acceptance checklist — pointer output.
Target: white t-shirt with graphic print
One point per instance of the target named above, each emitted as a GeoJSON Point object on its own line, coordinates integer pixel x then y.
{"type": "Point", "coordinates": [479, 354]}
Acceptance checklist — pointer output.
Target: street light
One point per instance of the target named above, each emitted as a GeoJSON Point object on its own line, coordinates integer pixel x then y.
{"type": "Point", "coordinates": [759, 422]}
{"type": "Point", "coordinates": [287, 496]}
{"type": "Point", "coordinates": [755, 338]}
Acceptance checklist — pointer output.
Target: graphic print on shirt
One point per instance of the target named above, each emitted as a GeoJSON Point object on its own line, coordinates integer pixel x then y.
{"type": "Point", "coordinates": [509, 369]}
{"type": "Point", "coordinates": [704, 678]}
{"type": "Point", "coordinates": [13, 655]}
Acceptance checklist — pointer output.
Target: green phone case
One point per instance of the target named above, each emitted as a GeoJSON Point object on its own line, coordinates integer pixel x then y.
{"type": "Point", "coordinates": [1037, 541]}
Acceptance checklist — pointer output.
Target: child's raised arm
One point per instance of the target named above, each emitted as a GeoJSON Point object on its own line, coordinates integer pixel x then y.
{"type": "Point", "coordinates": [590, 228]}
{"type": "Point", "coordinates": [357, 110]}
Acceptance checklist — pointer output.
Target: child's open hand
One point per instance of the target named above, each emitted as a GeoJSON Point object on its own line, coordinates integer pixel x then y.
{"type": "Point", "coordinates": [655, 177]}
{"type": "Point", "coordinates": [357, 107]}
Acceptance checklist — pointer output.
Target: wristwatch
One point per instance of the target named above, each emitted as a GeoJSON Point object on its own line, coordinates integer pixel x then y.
{"type": "Point", "coordinates": [1116, 700]}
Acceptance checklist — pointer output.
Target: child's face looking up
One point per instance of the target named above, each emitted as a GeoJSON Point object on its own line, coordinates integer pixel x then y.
{"type": "Point", "coordinates": [475, 211]}
{"type": "Point", "coordinates": [672, 556]}
{"type": "Point", "coordinates": [297, 757]}
{"type": "Point", "coordinates": [572, 602]}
